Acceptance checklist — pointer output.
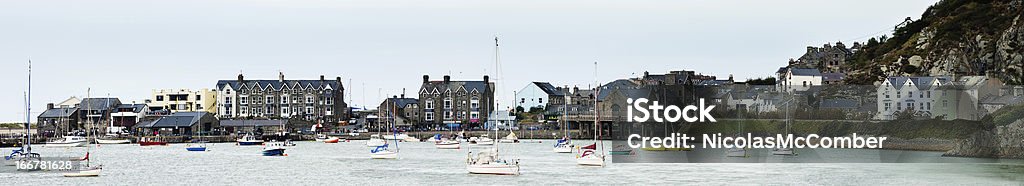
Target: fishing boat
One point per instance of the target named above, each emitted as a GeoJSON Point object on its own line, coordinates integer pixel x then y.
{"type": "Point", "coordinates": [490, 161]}
{"type": "Point", "coordinates": [68, 141]}
{"type": "Point", "coordinates": [248, 140]}
{"type": "Point", "coordinates": [151, 142]}
{"type": "Point", "coordinates": [375, 141]}
{"type": "Point", "coordinates": [113, 141]}
{"type": "Point", "coordinates": [274, 149]}
{"type": "Point", "coordinates": [510, 138]}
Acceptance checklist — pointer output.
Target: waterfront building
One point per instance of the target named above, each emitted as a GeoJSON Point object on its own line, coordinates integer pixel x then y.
{"type": "Point", "coordinates": [939, 96]}
{"type": "Point", "coordinates": [502, 119]}
{"type": "Point", "coordinates": [909, 94]}
{"type": "Point", "coordinates": [406, 111]}
{"type": "Point", "coordinates": [311, 101]}
{"type": "Point", "coordinates": [57, 121]}
{"type": "Point", "coordinates": [126, 116]}
{"type": "Point", "coordinates": [180, 123]}
{"type": "Point", "coordinates": [183, 100]}
{"type": "Point", "coordinates": [961, 99]}
{"type": "Point", "coordinates": [448, 103]}
{"type": "Point", "coordinates": [96, 111]}
{"type": "Point", "coordinates": [538, 95]}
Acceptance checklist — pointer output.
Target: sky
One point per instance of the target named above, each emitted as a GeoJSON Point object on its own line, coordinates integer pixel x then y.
{"type": "Point", "coordinates": [127, 48]}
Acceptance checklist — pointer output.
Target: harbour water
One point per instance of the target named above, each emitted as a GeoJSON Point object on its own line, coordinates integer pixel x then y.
{"type": "Point", "coordinates": [348, 163]}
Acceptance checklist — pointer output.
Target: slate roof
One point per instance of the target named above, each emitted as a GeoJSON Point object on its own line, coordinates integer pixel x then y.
{"type": "Point", "coordinates": [251, 123]}
{"type": "Point", "coordinates": [403, 102]}
{"type": "Point", "coordinates": [805, 71]}
{"type": "Point", "coordinates": [178, 119]}
{"type": "Point", "coordinates": [99, 103]}
{"type": "Point", "coordinates": [135, 107]}
{"type": "Point", "coordinates": [278, 84]}
{"type": "Point", "coordinates": [549, 89]}
{"type": "Point", "coordinates": [922, 83]}
{"type": "Point", "coordinates": [832, 76]}
{"type": "Point", "coordinates": [58, 112]}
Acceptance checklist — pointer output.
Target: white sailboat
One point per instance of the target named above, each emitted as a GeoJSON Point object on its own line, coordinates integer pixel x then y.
{"type": "Point", "coordinates": [68, 141]}
{"type": "Point", "coordinates": [490, 161]}
{"type": "Point", "coordinates": [564, 145]}
{"type": "Point", "coordinates": [786, 151]}
{"type": "Point", "coordinates": [88, 170]}
{"type": "Point", "coordinates": [383, 151]}
{"type": "Point", "coordinates": [593, 155]}
{"type": "Point", "coordinates": [25, 152]}
{"type": "Point", "coordinates": [484, 140]}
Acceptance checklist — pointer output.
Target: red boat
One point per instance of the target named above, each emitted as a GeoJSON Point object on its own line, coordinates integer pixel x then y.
{"type": "Point", "coordinates": [151, 142]}
{"type": "Point", "coordinates": [332, 140]}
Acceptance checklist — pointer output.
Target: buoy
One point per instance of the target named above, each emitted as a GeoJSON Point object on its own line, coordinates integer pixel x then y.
{"type": "Point", "coordinates": [285, 154]}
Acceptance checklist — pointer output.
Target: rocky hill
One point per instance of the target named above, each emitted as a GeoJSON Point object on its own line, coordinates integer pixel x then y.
{"type": "Point", "coordinates": [953, 37]}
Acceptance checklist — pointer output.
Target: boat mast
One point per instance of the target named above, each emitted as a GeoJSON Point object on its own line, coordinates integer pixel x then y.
{"type": "Point", "coordinates": [597, 112]}
{"type": "Point", "coordinates": [28, 112]}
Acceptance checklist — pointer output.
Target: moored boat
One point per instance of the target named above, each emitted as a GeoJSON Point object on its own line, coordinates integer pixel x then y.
{"type": "Point", "coordinates": [274, 149]}
{"type": "Point", "coordinates": [248, 140]}
{"type": "Point", "coordinates": [196, 147]}
{"type": "Point", "coordinates": [68, 141]}
{"type": "Point", "coordinates": [375, 140]}
{"type": "Point", "coordinates": [113, 141]}
{"type": "Point", "coordinates": [151, 142]}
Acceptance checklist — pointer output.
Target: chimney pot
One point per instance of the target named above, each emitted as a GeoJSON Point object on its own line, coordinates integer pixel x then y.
{"type": "Point", "coordinates": [487, 79]}
{"type": "Point", "coordinates": [447, 79]}
{"type": "Point", "coordinates": [321, 77]}
{"type": "Point", "coordinates": [426, 78]}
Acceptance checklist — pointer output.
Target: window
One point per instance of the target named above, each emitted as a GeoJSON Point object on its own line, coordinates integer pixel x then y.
{"type": "Point", "coordinates": [284, 99]}
{"type": "Point", "coordinates": [929, 94]}
{"type": "Point", "coordinates": [921, 105]}
{"type": "Point", "coordinates": [898, 106]}
{"type": "Point", "coordinates": [474, 103]}
{"type": "Point", "coordinates": [910, 94]}
{"type": "Point", "coordinates": [474, 115]}
{"type": "Point", "coordinates": [887, 106]}
{"type": "Point", "coordinates": [447, 114]}
{"type": "Point", "coordinates": [270, 99]}
{"type": "Point", "coordinates": [328, 109]}
{"type": "Point", "coordinates": [898, 93]}
{"type": "Point", "coordinates": [159, 98]}
{"type": "Point", "coordinates": [447, 103]}
{"type": "Point", "coordinates": [945, 103]}
{"type": "Point", "coordinates": [199, 98]}
{"type": "Point", "coordinates": [227, 92]}
{"type": "Point", "coordinates": [243, 110]}
{"type": "Point", "coordinates": [429, 104]}
{"type": "Point", "coordinates": [227, 100]}
{"type": "Point", "coordinates": [429, 116]}
{"type": "Point", "coordinates": [540, 100]}
{"type": "Point", "coordinates": [243, 100]}
{"type": "Point", "coordinates": [462, 115]}
{"type": "Point", "coordinates": [270, 110]}
{"type": "Point", "coordinates": [284, 110]}
{"type": "Point", "coordinates": [309, 99]}
{"type": "Point", "coordinates": [330, 100]}
{"type": "Point", "coordinates": [309, 110]}
{"type": "Point", "coordinates": [910, 106]}
{"type": "Point", "coordinates": [928, 105]}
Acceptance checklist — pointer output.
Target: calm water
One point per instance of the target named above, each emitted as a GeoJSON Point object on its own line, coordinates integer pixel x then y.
{"type": "Point", "coordinates": [421, 164]}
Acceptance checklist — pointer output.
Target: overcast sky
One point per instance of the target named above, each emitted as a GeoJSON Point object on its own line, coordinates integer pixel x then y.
{"type": "Point", "coordinates": [128, 47]}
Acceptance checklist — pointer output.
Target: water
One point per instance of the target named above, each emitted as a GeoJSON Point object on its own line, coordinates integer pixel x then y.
{"type": "Point", "coordinates": [348, 163]}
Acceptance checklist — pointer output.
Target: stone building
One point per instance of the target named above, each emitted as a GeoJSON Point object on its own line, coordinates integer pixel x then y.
{"type": "Point", "coordinates": [455, 103]}
{"type": "Point", "coordinates": [404, 111]}
{"type": "Point", "coordinates": [827, 58]}
{"type": "Point", "coordinates": [305, 100]}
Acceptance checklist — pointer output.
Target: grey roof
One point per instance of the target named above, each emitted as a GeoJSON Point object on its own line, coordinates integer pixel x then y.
{"type": "Point", "coordinates": [805, 71]}
{"type": "Point", "coordinates": [838, 103]}
{"type": "Point", "coordinates": [403, 102]}
{"type": "Point", "coordinates": [178, 119]}
{"type": "Point", "coordinates": [832, 76]}
{"type": "Point", "coordinates": [278, 84]}
{"type": "Point", "coordinates": [479, 86]}
{"type": "Point", "coordinates": [549, 89]}
{"type": "Point", "coordinates": [135, 107]}
{"type": "Point", "coordinates": [251, 123]}
{"type": "Point", "coordinates": [99, 103]}
{"type": "Point", "coordinates": [742, 95]}
{"type": "Point", "coordinates": [922, 83]}
{"type": "Point", "coordinates": [621, 84]}
{"type": "Point", "coordinates": [58, 112]}
{"type": "Point", "coordinates": [713, 82]}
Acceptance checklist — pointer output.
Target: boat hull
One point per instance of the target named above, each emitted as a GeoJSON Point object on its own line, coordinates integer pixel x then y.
{"type": "Point", "coordinates": [447, 145]}
{"type": "Point", "coordinates": [152, 143]}
{"type": "Point", "coordinates": [592, 160]}
{"type": "Point", "coordinates": [66, 144]}
{"type": "Point", "coordinates": [496, 169]}
{"type": "Point", "coordinates": [384, 155]}
{"type": "Point", "coordinates": [508, 141]}
{"type": "Point", "coordinates": [332, 140]}
{"type": "Point", "coordinates": [85, 173]}
{"type": "Point", "coordinates": [120, 141]}
{"type": "Point", "coordinates": [273, 152]}
{"type": "Point", "coordinates": [195, 149]}
{"type": "Point", "coordinates": [563, 149]}
{"type": "Point", "coordinates": [250, 143]}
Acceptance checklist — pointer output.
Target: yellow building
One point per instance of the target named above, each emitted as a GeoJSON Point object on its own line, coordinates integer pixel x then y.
{"type": "Point", "coordinates": [183, 100]}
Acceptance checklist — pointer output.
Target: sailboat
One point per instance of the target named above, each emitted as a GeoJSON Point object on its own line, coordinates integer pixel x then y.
{"type": "Point", "coordinates": [593, 155]}
{"type": "Point", "coordinates": [25, 152]}
{"type": "Point", "coordinates": [490, 161]}
{"type": "Point", "coordinates": [446, 143]}
{"type": "Point", "coordinates": [88, 170]}
{"type": "Point", "coordinates": [383, 152]}
{"type": "Point", "coordinates": [510, 138]}
{"type": "Point", "coordinates": [785, 151]}
{"type": "Point", "coordinates": [71, 140]}
{"type": "Point", "coordinates": [112, 140]}
{"type": "Point", "coordinates": [565, 145]}
{"type": "Point", "coordinates": [737, 152]}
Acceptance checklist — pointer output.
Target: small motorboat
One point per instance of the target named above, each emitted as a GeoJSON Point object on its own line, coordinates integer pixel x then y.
{"type": "Point", "coordinates": [484, 140]}
{"type": "Point", "coordinates": [410, 139]}
{"type": "Point", "coordinates": [86, 172]}
{"type": "Point", "coordinates": [332, 140]}
{"type": "Point", "coordinates": [248, 140]}
{"type": "Point", "coordinates": [68, 141]}
{"type": "Point", "coordinates": [447, 144]}
{"type": "Point", "coordinates": [195, 147]}
{"type": "Point", "coordinates": [151, 142]}
{"type": "Point", "coordinates": [113, 141]}
{"type": "Point", "coordinates": [321, 137]}
{"type": "Point", "coordinates": [274, 149]}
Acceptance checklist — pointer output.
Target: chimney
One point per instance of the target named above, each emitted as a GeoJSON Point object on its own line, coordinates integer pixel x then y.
{"type": "Point", "coordinates": [49, 106]}
{"type": "Point", "coordinates": [447, 79]}
{"type": "Point", "coordinates": [730, 77]}
{"type": "Point", "coordinates": [403, 93]}
{"type": "Point", "coordinates": [646, 74]}
{"type": "Point", "coordinates": [322, 78]}
{"type": "Point", "coordinates": [395, 97]}
{"type": "Point", "coordinates": [575, 89]}
{"type": "Point", "coordinates": [240, 78]}
{"type": "Point", "coordinates": [487, 79]}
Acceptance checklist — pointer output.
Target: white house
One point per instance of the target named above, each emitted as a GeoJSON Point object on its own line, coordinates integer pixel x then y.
{"type": "Point", "coordinates": [909, 94]}
{"type": "Point", "coordinates": [798, 79]}
{"type": "Point", "coordinates": [537, 95]}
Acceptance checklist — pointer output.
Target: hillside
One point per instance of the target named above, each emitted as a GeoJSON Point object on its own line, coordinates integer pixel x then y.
{"type": "Point", "coordinates": [953, 37]}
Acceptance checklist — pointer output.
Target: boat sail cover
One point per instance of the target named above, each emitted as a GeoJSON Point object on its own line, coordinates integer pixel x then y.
{"type": "Point", "coordinates": [590, 147]}
{"type": "Point", "coordinates": [511, 136]}
{"type": "Point", "coordinates": [379, 148]}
